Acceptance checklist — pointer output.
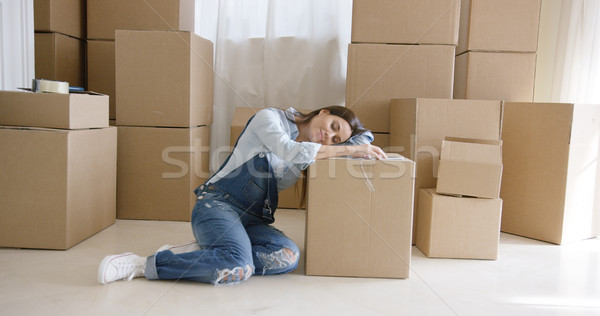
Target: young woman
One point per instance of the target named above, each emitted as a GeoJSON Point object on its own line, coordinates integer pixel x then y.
{"type": "Point", "coordinates": [235, 207]}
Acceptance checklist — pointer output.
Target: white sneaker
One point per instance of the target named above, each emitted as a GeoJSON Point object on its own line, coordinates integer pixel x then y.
{"type": "Point", "coordinates": [183, 248]}
{"type": "Point", "coordinates": [120, 267]}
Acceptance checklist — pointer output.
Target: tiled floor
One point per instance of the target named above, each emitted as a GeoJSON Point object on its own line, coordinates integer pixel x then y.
{"type": "Point", "coordinates": [529, 278]}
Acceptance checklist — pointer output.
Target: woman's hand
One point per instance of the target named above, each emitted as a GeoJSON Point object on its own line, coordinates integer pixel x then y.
{"type": "Point", "coordinates": [367, 151]}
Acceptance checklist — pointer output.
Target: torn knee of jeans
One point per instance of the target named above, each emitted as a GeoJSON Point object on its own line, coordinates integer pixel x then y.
{"type": "Point", "coordinates": [232, 276]}
{"type": "Point", "coordinates": [280, 259]}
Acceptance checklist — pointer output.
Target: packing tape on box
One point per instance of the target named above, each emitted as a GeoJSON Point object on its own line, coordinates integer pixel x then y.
{"type": "Point", "coordinates": [51, 86]}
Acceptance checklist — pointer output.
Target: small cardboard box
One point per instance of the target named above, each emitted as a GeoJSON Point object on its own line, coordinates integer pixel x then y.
{"type": "Point", "coordinates": [378, 73]}
{"type": "Point", "coordinates": [288, 198]}
{"type": "Point", "coordinates": [172, 87]}
{"type": "Point", "coordinates": [458, 227]}
{"type": "Point", "coordinates": [418, 127]}
{"type": "Point", "coordinates": [104, 17]}
{"type": "Point", "coordinates": [60, 57]}
{"type": "Point", "coordinates": [470, 167]}
{"type": "Point", "coordinates": [495, 76]}
{"type": "Point", "coordinates": [551, 184]}
{"type": "Point", "coordinates": [158, 170]}
{"type": "Point", "coordinates": [62, 16]}
{"type": "Point", "coordinates": [58, 187]}
{"type": "Point", "coordinates": [359, 217]}
{"type": "Point", "coordinates": [101, 71]}
{"type": "Point", "coordinates": [405, 22]}
{"type": "Point", "coordinates": [54, 110]}
{"type": "Point", "coordinates": [491, 25]}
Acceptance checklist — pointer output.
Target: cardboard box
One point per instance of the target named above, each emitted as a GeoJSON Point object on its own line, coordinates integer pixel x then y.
{"type": "Point", "coordinates": [458, 227]}
{"type": "Point", "coordinates": [495, 76]}
{"type": "Point", "coordinates": [158, 170]}
{"type": "Point", "coordinates": [62, 16]}
{"type": "Point", "coordinates": [405, 22]}
{"type": "Point", "coordinates": [470, 167]}
{"type": "Point", "coordinates": [359, 217]}
{"type": "Point", "coordinates": [171, 87]}
{"type": "Point", "coordinates": [101, 71]}
{"type": "Point", "coordinates": [53, 110]}
{"type": "Point", "coordinates": [418, 127]}
{"type": "Point", "coordinates": [378, 73]}
{"type": "Point", "coordinates": [292, 197]}
{"type": "Point", "coordinates": [60, 57]}
{"type": "Point", "coordinates": [58, 187]}
{"type": "Point", "coordinates": [104, 17]}
{"type": "Point", "coordinates": [382, 140]}
{"type": "Point", "coordinates": [491, 25]}
{"type": "Point", "coordinates": [551, 184]}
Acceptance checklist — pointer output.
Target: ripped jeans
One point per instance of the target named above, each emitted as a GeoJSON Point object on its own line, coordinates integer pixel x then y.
{"type": "Point", "coordinates": [234, 244]}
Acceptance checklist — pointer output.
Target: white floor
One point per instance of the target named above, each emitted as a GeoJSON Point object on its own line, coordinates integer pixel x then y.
{"type": "Point", "coordinates": [529, 278]}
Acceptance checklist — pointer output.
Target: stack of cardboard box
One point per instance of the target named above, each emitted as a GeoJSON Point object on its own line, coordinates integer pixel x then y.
{"type": "Point", "coordinates": [58, 164]}
{"type": "Point", "coordinates": [164, 112]}
{"type": "Point", "coordinates": [496, 53]}
{"type": "Point", "coordinates": [461, 217]}
{"type": "Point", "coordinates": [60, 40]}
{"type": "Point", "coordinates": [106, 16]}
{"type": "Point", "coordinates": [399, 49]}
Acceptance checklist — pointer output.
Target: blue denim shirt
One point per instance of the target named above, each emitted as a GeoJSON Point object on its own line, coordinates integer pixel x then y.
{"type": "Point", "coordinates": [273, 132]}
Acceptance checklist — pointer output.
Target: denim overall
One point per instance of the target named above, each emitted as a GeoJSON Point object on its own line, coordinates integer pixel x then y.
{"type": "Point", "coordinates": [231, 224]}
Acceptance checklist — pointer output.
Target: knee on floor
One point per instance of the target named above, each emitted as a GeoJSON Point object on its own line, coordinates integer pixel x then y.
{"type": "Point", "coordinates": [281, 261]}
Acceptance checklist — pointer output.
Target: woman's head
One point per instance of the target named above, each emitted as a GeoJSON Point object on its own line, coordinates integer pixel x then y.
{"type": "Point", "coordinates": [330, 125]}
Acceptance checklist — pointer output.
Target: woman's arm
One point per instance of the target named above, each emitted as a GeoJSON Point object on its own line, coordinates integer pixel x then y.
{"type": "Point", "coordinates": [362, 151]}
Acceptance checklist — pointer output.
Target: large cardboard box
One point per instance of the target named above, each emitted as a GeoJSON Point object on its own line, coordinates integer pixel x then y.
{"type": "Point", "coordinates": [378, 73]}
{"type": "Point", "coordinates": [60, 57]}
{"type": "Point", "coordinates": [418, 127]}
{"type": "Point", "coordinates": [104, 17]}
{"type": "Point", "coordinates": [458, 227]}
{"type": "Point", "coordinates": [101, 71]}
{"type": "Point", "coordinates": [491, 25]}
{"type": "Point", "coordinates": [62, 16]}
{"type": "Point", "coordinates": [158, 170]}
{"type": "Point", "coordinates": [58, 187]}
{"type": "Point", "coordinates": [359, 217]}
{"type": "Point", "coordinates": [172, 86]}
{"type": "Point", "coordinates": [405, 22]}
{"type": "Point", "coordinates": [551, 183]}
{"type": "Point", "coordinates": [53, 110]}
{"type": "Point", "coordinates": [470, 167]}
{"type": "Point", "coordinates": [293, 197]}
{"type": "Point", "coordinates": [495, 76]}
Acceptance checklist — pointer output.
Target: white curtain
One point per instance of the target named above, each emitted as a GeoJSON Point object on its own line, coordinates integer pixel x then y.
{"type": "Point", "coordinates": [577, 65]}
{"type": "Point", "coordinates": [274, 53]}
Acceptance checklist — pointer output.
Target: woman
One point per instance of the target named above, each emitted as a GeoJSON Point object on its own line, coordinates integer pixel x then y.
{"type": "Point", "coordinates": [235, 207]}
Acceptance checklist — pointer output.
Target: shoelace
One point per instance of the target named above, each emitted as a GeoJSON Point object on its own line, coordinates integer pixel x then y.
{"type": "Point", "coordinates": [128, 271]}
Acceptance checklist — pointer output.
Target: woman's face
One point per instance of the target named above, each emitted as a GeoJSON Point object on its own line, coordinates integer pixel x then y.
{"type": "Point", "coordinates": [329, 129]}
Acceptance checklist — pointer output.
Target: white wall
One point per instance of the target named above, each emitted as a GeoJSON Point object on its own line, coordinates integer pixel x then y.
{"type": "Point", "coordinates": [17, 55]}
{"type": "Point", "coordinates": [546, 55]}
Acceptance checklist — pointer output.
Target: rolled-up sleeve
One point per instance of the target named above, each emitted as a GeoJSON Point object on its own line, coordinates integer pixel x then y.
{"type": "Point", "coordinates": [268, 127]}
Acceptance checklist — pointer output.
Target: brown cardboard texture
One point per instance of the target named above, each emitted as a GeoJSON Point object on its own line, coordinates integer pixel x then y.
{"type": "Point", "coordinates": [288, 198]}
{"type": "Point", "coordinates": [418, 127]}
{"type": "Point", "coordinates": [158, 170]}
{"type": "Point", "coordinates": [405, 22]}
{"type": "Point", "coordinates": [101, 71]}
{"type": "Point", "coordinates": [53, 110]}
{"type": "Point", "coordinates": [60, 57]}
{"type": "Point", "coordinates": [382, 140]}
{"type": "Point", "coordinates": [491, 25]}
{"type": "Point", "coordinates": [104, 17]}
{"type": "Point", "coordinates": [58, 187]}
{"type": "Point", "coordinates": [551, 183]}
{"type": "Point", "coordinates": [495, 76]}
{"type": "Point", "coordinates": [470, 167]}
{"type": "Point", "coordinates": [359, 217]}
{"type": "Point", "coordinates": [62, 16]}
{"type": "Point", "coordinates": [378, 73]}
{"type": "Point", "coordinates": [458, 227]}
{"type": "Point", "coordinates": [172, 87]}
